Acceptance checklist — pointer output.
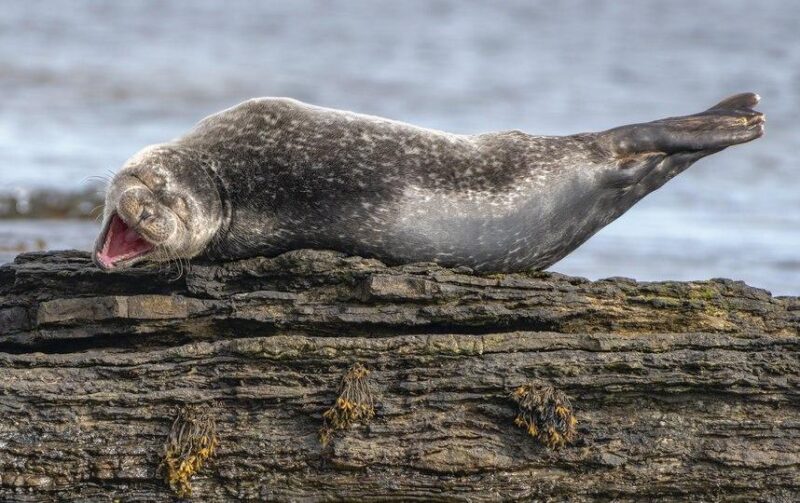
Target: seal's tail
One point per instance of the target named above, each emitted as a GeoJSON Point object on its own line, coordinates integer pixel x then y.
{"type": "Point", "coordinates": [727, 123]}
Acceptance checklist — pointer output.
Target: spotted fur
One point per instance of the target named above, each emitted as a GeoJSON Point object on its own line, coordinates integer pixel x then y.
{"type": "Point", "coordinates": [274, 174]}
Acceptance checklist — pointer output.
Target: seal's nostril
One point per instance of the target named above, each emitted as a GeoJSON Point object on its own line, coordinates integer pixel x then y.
{"type": "Point", "coordinates": [145, 215]}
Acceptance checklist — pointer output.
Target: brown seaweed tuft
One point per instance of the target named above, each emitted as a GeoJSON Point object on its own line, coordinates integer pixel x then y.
{"type": "Point", "coordinates": [545, 413]}
{"type": "Point", "coordinates": [354, 403]}
{"type": "Point", "coordinates": [191, 441]}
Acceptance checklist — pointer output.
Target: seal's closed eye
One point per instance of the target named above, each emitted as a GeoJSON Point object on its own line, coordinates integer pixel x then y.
{"type": "Point", "coordinates": [149, 179]}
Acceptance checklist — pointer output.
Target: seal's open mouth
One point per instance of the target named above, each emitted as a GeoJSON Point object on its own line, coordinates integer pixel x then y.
{"type": "Point", "coordinates": [121, 243]}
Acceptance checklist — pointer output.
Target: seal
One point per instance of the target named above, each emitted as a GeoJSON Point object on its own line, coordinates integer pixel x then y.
{"type": "Point", "coordinates": [274, 174]}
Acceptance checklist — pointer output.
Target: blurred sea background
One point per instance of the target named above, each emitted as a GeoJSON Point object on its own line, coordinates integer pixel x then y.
{"type": "Point", "coordinates": [85, 84]}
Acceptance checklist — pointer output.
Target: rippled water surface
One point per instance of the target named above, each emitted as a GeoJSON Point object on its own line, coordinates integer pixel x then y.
{"type": "Point", "coordinates": [83, 87]}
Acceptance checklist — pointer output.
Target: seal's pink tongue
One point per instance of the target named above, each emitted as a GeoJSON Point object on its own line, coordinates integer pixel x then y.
{"type": "Point", "coordinates": [122, 243]}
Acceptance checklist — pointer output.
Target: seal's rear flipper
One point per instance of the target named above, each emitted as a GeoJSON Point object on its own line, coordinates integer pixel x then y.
{"type": "Point", "coordinates": [729, 122]}
{"type": "Point", "coordinates": [737, 102]}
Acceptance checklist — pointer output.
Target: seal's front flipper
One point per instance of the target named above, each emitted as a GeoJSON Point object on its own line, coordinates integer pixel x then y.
{"type": "Point", "coordinates": [730, 122]}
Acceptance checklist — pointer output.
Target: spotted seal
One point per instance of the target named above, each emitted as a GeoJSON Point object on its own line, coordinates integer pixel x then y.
{"type": "Point", "coordinates": [274, 174]}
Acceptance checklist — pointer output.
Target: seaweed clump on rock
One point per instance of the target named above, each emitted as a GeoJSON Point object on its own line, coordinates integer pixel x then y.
{"type": "Point", "coordinates": [546, 414]}
{"type": "Point", "coordinates": [354, 403]}
{"type": "Point", "coordinates": [192, 440]}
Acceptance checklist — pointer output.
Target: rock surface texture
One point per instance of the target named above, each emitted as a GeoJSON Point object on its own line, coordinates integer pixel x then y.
{"type": "Point", "coordinates": [682, 391]}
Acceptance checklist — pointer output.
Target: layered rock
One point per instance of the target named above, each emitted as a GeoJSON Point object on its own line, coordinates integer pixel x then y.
{"type": "Point", "coordinates": [680, 390]}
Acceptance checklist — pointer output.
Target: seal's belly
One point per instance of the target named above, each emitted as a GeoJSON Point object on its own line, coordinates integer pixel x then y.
{"type": "Point", "coordinates": [514, 230]}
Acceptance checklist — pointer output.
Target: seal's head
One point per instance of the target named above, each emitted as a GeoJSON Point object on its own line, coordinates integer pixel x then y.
{"type": "Point", "coordinates": [163, 205]}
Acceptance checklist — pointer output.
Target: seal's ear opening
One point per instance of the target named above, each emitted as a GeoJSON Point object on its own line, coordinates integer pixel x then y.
{"type": "Point", "coordinates": [120, 243]}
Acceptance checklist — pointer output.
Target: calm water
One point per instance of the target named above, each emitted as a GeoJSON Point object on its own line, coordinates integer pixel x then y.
{"type": "Point", "coordinates": [83, 87]}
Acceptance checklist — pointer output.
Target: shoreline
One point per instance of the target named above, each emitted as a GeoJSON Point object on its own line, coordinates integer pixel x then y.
{"type": "Point", "coordinates": [46, 203]}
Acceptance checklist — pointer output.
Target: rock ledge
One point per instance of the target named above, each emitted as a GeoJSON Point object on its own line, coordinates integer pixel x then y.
{"type": "Point", "coordinates": [681, 389]}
